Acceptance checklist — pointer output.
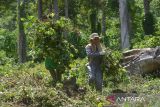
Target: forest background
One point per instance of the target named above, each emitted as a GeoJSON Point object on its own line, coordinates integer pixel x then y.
{"type": "Point", "coordinates": [33, 30]}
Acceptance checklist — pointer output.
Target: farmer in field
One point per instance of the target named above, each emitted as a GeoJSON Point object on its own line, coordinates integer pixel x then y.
{"type": "Point", "coordinates": [95, 54]}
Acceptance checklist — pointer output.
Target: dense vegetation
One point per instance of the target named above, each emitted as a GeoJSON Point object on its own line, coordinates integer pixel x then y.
{"type": "Point", "coordinates": [37, 36]}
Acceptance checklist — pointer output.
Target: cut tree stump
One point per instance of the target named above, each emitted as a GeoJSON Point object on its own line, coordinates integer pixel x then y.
{"type": "Point", "coordinates": [142, 61]}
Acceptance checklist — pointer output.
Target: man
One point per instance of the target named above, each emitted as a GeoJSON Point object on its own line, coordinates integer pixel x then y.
{"type": "Point", "coordinates": [95, 55]}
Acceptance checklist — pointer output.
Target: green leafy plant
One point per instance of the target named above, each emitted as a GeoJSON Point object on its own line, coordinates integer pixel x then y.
{"type": "Point", "coordinates": [49, 42]}
{"type": "Point", "coordinates": [148, 41]}
{"type": "Point", "coordinates": [79, 40]}
{"type": "Point", "coordinates": [113, 71]}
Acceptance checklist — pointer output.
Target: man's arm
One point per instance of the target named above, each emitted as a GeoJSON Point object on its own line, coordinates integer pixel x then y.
{"type": "Point", "coordinates": [90, 53]}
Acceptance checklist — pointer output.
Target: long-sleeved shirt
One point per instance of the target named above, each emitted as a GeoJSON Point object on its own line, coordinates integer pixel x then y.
{"type": "Point", "coordinates": [93, 56]}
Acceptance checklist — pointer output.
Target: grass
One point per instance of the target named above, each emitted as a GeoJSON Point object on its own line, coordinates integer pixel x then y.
{"type": "Point", "coordinates": [30, 85]}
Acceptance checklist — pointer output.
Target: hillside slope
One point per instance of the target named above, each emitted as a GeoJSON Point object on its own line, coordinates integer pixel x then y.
{"type": "Point", "coordinates": [31, 85]}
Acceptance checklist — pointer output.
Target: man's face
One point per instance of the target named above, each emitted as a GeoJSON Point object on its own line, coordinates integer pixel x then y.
{"type": "Point", "coordinates": [96, 40]}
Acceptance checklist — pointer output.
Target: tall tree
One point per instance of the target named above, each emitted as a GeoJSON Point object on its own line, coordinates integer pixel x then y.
{"type": "Point", "coordinates": [66, 14]}
{"type": "Point", "coordinates": [103, 23]}
{"type": "Point", "coordinates": [149, 21]}
{"type": "Point", "coordinates": [93, 20]}
{"type": "Point", "coordinates": [146, 6]}
{"type": "Point", "coordinates": [104, 15]}
{"type": "Point", "coordinates": [56, 10]}
{"type": "Point", "coordinates": [124, 19]}
{"type": "Point", "coordinates": [93, 7]}
{"type": "Point", "coordinates": [50, 6]}
{"type": "Point", "coordinates": [40, 9]}
{"type": "Point", "coordinates": [66, 8]}
{"type": "Point", "coordinates": [104, 11]}
{"type": "Point", "coordinates": [22, 36]}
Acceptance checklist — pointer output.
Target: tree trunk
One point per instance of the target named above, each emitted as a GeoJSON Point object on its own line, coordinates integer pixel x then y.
{"type": "Point", "coordinates": [66, 8]}
{"type": "Point", "coordinates": [93, 20]}
{"type": "Point", "coordinates": [124, 24]}
{"type": "Point", "coordinates": [105, 37]}
{"type": "Point", "coordinates": [66, 15]}
{"type": "Point", "coordinates": [103, 23]}
{"type": "Point", "coordinates": [149, 20]}
{"type": "Point", "coordinates": [146, 6]}
{"type": "Point", "coordinates": [50, 6]}
{"type": "Point", "coordinates": [56, 9]}
{"type": "Point", "coordinates": [40, 9]}
{"type": "Point", "coordinates": [22, 37]}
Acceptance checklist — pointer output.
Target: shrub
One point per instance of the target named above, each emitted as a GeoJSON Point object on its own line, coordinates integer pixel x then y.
{"type": "Point", "coordinates": [79, 40]}
{"type": "Point", "coordinates": [113, 71]}
{"type": "Point", "coordinates": [148, 41]}
{"type": "Point", "coordinates": [49, 42]}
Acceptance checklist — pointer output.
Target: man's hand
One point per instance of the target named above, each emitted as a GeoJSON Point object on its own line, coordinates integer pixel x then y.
{"type": "Point", "coordinates": [102, 53]}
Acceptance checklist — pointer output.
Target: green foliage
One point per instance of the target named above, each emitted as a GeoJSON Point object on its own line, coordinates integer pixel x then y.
{"type": "Point", "coordinates": [74, 6]}
{"type": "Point", "coordinates": [8, 32]}
{"type": "Point", "coordinates": [136, 17]}
{"type": "Point", "coordinates": [4, 60]}
{"type": "Point", "coordinates": [79, 41]}
{"type": "Point", "coordinates": [8, 42]}
{"type": "Point", "coordinates": [149, 24]}
{"type": "Point", "coordinates": [78, 70]}
{"type": "Point", "coordinates": [155, 7]}
{"type": "Point", "coordinates": [158, 26]}
{"type": "Point", "coordinates": [30, 81]}
{"type": "Point", "coordinates": [113, 6]}
{"type": "Point", "coordinates": [148, 41]}
{"type": "Point", "coordinates": [51, 43]}
{"type": "Point", "coordinates": [112, 38]}
{"type": "Point", "coordinates": [2, 57]}
{"type": "Point", "coordinates": [33, 82]}
{"type": "Point", "coordinates": [93, 20]}
{"type": "Point", "coordinates": [45, 40]}
{"type": "Point", "coordinates": [34, 89]}
{"type": "Point", "coordinates": [113, 71]}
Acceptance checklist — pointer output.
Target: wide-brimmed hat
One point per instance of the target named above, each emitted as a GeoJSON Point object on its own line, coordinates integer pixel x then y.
{"type": "Point", "coordinates": [94, 35]}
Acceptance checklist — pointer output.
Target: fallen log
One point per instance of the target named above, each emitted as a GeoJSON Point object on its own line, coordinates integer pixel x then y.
{"type": "Point", "coordinates": [141, 61]}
